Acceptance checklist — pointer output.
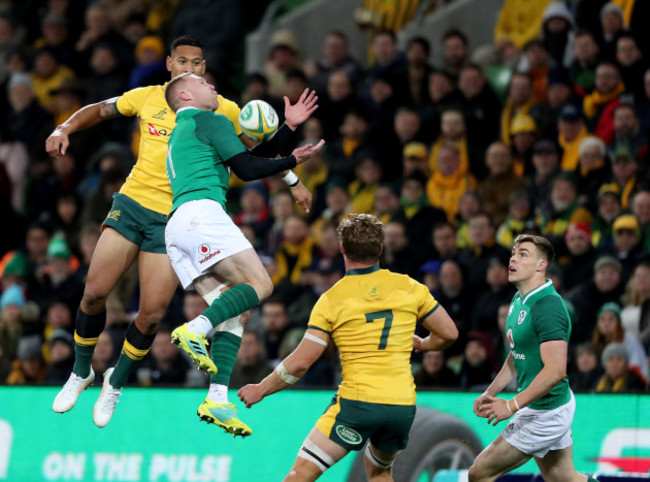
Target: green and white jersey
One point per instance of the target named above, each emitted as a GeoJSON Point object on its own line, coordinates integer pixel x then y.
{"type": "Point", "coordinates": [199, 145]}
{"type": "Point", "coordinates": [533, 319]}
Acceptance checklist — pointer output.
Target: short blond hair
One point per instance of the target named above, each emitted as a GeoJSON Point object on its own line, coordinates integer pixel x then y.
{"type": "Point", "coordinates": [173, 88]}
{"type": "Point", "coordinates": [362, 236]}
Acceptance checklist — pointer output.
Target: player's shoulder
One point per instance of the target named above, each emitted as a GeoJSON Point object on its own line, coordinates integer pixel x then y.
{"type": "Point", "coordinates": [226, 104]}
{"type": "Point", "coordinates": [146, 91]}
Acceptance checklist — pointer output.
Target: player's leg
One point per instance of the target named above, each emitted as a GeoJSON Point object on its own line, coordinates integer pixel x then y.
{"type": "Point", "coordinates": [113, 255]}
{"type": "Point", "coordinates": [379, 464]}
{"type": "Point", "coordinates": [557, 466]}
{"type": "Point", "coordinates": [317, 454]}
{"type": "Point", "coordinates": [495, 460]}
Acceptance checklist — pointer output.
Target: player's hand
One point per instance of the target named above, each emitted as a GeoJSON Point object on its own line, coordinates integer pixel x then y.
{"type": "Point", "coordinates": [496, 410]}
{"type": "Point", "coordinates": [305, 152]}
{"type": "Point", "coordinates": [57, 143]}
{"type": "Point", "coordinates": [296, 114]}
{"type": "Point", "coordinates": [250, 394]}
{"type": "Point", "coordinates": [302, 196]}
{"type": "Point", "coordinates": [480, 409]}
{"type": "Point", "coordinates": [417, 343]}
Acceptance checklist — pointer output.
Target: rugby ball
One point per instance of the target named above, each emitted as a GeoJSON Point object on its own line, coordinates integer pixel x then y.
{"type": "Point", "coordinates": [258, 120]}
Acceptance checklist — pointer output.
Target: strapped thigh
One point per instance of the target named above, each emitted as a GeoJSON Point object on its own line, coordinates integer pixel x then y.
{"type": "Point", "coordinates": [316, 455]}
{"type": "Point", "coordinates": [380, 462]}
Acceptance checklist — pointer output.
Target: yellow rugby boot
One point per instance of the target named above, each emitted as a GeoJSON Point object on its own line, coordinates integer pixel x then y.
{"type": "Point", "coordinates": [223, 415]}
{"type": "Point", "coordinates": [195, 346]}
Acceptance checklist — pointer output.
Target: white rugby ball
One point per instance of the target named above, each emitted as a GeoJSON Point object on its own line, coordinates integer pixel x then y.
{"type": "Point", "coordinates": [258, 120]}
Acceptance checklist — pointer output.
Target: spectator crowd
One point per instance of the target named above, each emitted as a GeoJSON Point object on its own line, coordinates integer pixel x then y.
{"type": "Point", "coordinates": [545, 131]}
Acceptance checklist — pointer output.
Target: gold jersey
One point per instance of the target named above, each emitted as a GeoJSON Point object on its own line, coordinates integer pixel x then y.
{"type": "Point", "coordinates": [371, 315]}
{"type": "Point", "coordinates": [147, 183]}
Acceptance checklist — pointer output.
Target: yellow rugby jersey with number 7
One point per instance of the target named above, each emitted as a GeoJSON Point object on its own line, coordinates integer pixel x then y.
{"type": "Point", "coordinates": [371, 315]}
{"type": "Point", "coordinates": [148, 183]}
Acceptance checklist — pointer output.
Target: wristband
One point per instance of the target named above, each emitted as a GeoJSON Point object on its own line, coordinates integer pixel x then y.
{"type": "Point", "coordinates": [514, 399]}
{"type": "Point", "coordinates": [291, 179]}
{"type": "Point", "coordinates": [284, 374]}
{"type": "Point", "coordinates": [508, 407]}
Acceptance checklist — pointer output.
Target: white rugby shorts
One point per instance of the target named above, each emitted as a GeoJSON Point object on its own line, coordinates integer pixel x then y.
{"type": "Point", "coordinates": [198, 235]}
{"type": "Point", "coordinates": [536, 432]}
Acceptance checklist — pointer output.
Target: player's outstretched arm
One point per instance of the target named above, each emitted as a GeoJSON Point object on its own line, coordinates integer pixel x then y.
{"type": "Point", "coordinates": [443, 331]}
{"type": "Point", "coordinates": [57, 143]}
{"type": "Point", "coordinates": [290, 370]}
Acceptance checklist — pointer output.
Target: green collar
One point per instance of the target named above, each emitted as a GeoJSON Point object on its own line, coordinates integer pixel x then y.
{"type": "Point", "coordinates": [369, 269]}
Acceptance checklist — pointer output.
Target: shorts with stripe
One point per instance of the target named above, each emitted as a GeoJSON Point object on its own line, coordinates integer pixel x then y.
{"type": "Point", "coordinates": [351, 423]}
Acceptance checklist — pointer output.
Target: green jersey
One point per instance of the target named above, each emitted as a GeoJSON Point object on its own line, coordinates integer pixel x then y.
{"type": "Point", "coordinates": [199, 145]}
{"type": "Point", "coordinates": [533, 319]}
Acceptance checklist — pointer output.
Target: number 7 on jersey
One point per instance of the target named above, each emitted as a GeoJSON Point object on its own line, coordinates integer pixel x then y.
{"type": "Point", "coordinates": [387, 316]}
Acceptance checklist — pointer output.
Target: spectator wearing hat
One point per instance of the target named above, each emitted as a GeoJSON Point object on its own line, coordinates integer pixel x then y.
{"type": "Point", "coordinates": [609, 208]}
{"type": "Point", "coordinates": [562, 209]}
{"type": "Point", "coordinates": [571, 130]}
{"type": "Point", "coordinates": [58, 283]}
{"type": "Point", "coordinates": [589, 296]}
{"type": "Point", "coordinates": [12, 302]}
{"type": "Point", "coordinates": [581, 256]}
{"type": "Point", "coordinates": [255, 211]}
{"type": "Point", "coordinates": [29, 368]}
{"type": "Point", "coordinates": [61, 349]}
{"type": "Point", "coordinates": [520, 100]}
{"type": "Point", "coordinates": [546, 166]}
{"type": "Point", "coordinates": [627, 243]}
{"type": "Point", "coordinates": [618, 378]}
{"type": "Point", "coordinates": [583, 68]}
{"type": "Point", "coordinates": [416, 213]}
{"type": "Point", "coordinates": [415, 158]}
{"type": "Point", "coordinates": [13, 270]}
{"type": "Point", "coordinates": [28, 121]}
{"type": "Point", "coordinates": [625, 176]}
{"type": "Point", "coordinates": [588, 368]}
{"type": "Point", "coordinates": [598, 107]}
{"type": "Point", "coordinates": [520, 215]}
{"type": "Point", "coordinates": [496, 188]}
{"type": "Point", "coordinates": [609, 329]}
{"type": "Point", "coordinates": [558, 26]}
{"type": "Point", "coordinates": [524, 134]}
{"type": "Point", "coordinates": [500, 291]}
{"type": "Point", "coordinates": [612, 25]}
{"type": "Point", "coordinates": [283, 56]}
{"type": "Point", "coordinates": [430, 275]}
{"type": "Point", "coordinates": [627, 132]}
{"type": "Point", "coordinates": [434, 372]}
{"type": "Point", "coordinates": [593, 171]}
{"type": "Point", "coordinates": [150, 66]}
{"type": "Point", "coordinates": [449, 181]}
{"type": "Point", "coordinates": [559, 92]}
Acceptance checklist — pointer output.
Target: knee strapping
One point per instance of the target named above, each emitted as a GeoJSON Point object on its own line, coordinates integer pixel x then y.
{"type": "Point", "coordinates": [316, 455]}
{"type": "Point", "coordinates": [382, 463]}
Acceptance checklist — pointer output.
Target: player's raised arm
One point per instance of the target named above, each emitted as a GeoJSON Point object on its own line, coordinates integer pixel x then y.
{"type": "Point", "coordinates": [57, 143]}
{"type": "Point", "coordinates": [290, 370]}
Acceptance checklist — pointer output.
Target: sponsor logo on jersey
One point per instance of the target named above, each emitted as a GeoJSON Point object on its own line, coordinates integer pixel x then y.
{"type": "Point", "coordinates": [207, 253]}
{"type": "Point", "coordinates": [511, 340]}
{"type": "Point", "coordinates": [156, 132]}
{"type": "Point", "coordinates": [114, 215]}
{"type": "Point", "coordinates": [522, 317]}
{"type": "Point", "coordinates": [348, 435]}
{"type": "Point", "coordinates": [160, 115]}
{"type": "Point", "coordinates": [518, 356]}
{"type": "Point", "coordinates": [374, 292]}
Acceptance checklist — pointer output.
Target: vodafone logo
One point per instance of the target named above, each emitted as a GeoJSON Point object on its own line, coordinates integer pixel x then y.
{"type": "Point", "coordinates": [206, 252]}
{"type": "Point", "coordinates": [204, 249]}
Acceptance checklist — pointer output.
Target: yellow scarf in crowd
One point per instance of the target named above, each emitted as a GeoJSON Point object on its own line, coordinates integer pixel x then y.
{"type": "Point", "coordinates": [461, 144]}
{"type": "Point", "coordinates": [571, 150]}
{"type": "Point", "coordinates": [592, 101]}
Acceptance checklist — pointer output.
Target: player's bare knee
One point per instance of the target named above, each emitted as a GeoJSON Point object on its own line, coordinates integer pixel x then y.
{"type": "Point", "coordinates": [475, 473]}
{"type": "Point", "coordinates": [93, 301]}
{"type": "Point", "coordinates": [148, 320]}
{"type": "Point", "coordinates": [263, 287]}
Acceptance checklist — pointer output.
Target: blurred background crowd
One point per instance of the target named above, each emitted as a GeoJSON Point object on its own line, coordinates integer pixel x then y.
{"type": "Point", "coordinates": [543, 131]}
